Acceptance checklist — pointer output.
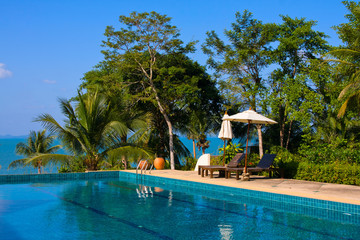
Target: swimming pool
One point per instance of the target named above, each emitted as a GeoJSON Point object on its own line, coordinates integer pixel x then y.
{"type": "Point", "coordinates": [138, 208]}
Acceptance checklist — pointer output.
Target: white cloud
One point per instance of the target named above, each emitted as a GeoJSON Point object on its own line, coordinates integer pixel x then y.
{"type": "Point", "coordinates": [4, 73]}
{"type": "Point", "coordinates": [49, 81]}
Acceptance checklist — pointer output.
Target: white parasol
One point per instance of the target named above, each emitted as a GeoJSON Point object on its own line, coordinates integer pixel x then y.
{"type": "Point", "coordinates": [225, 133]}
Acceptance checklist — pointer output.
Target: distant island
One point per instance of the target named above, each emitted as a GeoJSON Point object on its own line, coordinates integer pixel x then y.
{"type": "Point", "coordinates": [12, 137]}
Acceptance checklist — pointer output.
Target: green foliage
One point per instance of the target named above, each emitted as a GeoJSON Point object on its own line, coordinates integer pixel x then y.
{"type": "Point", "coordinates": [74, 164]}
{"type": "Point", "coordinates": [243, 59]}
{"type": "Point", "coordinates": [188, 164]}
{"type": "Point", "coordinates": [285, 160]}
{"type": "Point", "coordinates": [347, 57]}
{"type": "Point", "coordinates": [327, 153]}
{"type": "Point", "coordinates": [298, 45]}
{"type": "Point", "coordinates": [216, 160]}
{"type": "Point", "coordinates": [231, 150]}
{"type": "Point", "coordinates": [335, 172]}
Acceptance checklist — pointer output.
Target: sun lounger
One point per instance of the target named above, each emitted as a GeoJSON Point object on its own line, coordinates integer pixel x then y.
{"type": "Point", "coordinates": [203, 170]}
{"type": "Point", "coordinates": [264, 165]}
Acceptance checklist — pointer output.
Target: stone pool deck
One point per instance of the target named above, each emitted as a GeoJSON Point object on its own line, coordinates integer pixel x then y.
{"type": "Point", "coordinates": [324, 191]}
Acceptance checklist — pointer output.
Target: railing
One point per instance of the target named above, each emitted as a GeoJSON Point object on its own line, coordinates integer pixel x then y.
{"type": "Point", "coordinates": [143, 165]}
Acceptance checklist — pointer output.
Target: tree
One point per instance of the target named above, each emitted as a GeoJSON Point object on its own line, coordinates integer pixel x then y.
{"type": "Point", "coordinates": [38, 144]}
{"type": "Point", "coordinates": [242, 60]}
{"type": "Point", "coordinates": [91, 129]}
{"type": "Point", "coordinates": [348, 57]}
{"type": "Point", "coordinates": [137, 50]}
{"type": "Point", "coordinates": [297, 46]}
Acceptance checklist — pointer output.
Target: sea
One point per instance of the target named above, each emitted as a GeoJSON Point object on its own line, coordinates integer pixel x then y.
{"type": "Point", "coordinates": [7, 154]}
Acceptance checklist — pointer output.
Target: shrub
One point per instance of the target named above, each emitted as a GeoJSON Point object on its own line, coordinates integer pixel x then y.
{"type": "Point", "coordinates": [340, 150]}
{"type": "Point", "coordinates": [188, 164]}
{"type": "Point", "coordinates": [75, 164]}
{"type": "Point", "coordinates": [336, 172]}
{"type": "Point", "coordinates": [216, 160]}
{"type": "Point", "coordinates": [285, 160]}
{"type": "Point", "coordinates": [231, 150]}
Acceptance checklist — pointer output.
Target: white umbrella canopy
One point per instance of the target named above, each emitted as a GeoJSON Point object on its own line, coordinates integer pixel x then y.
{"type": "Point", "coordinates": [225, 133]}
{"type": "Point", "coordinates": [249, 116]}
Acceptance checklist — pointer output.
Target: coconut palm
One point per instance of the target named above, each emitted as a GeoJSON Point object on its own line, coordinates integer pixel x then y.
{"type": "Point", "coordinates": [36, 150]}
{"type": "Point", "coordinates": [92, 129]}
{"type": "Point", "coordinates": [351, 93]}
{"type": "Point", "coordinates": [348, 56]}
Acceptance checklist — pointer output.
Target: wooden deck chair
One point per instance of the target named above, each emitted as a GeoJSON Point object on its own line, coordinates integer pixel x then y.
{"type": "Point", "coordinates": [265, 164]}
{"type": "Point", "coordinates": [203, 170]}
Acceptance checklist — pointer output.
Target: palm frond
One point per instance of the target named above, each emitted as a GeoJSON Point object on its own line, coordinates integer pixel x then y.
{"type": "Point", "coordinates": [342, 109]}
{"type": "Point", "coordinates": [132, 153]}
{"type": "Point", "coordinates": [18, 163]}
{"type": "Point", "coordinates": [23, 149]}
{"type": "Point", "coordinates": [50, 123]}
{"type": "Point", "coordinates": [47, 158]}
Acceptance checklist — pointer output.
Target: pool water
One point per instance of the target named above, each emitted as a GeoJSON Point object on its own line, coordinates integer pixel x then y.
{"type": "Point", "coordinates": [116, 209]}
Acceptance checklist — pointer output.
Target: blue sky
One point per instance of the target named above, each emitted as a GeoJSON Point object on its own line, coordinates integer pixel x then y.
{"type": "Point", "coordinates": [47, 46]}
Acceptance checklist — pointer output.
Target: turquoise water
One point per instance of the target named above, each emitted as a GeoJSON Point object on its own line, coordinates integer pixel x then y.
{"type": "Point", "coordinates": [116, 209]}
{"type": "Point", "coordinates": [7, 154]}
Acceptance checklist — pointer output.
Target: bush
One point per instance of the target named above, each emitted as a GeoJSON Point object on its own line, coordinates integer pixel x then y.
{"type": "Point", "coordinates": [285, 160]}
{"type": "Point", "coordinates": [336, 172]}
{"type": "Point", "coordinates": [231, 150]}
{"type": "Point", "coordinates": [340, 150]}
{"type": "Point", "coordinates": [216, 160]}
{"type": "Point", "coordinates": [188, 164]}
{"type": "Point", "coordinates": [73, 165]}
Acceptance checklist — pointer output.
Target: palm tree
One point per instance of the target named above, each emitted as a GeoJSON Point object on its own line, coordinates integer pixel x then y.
{"type": "Point", "coordinates": [135, 121]}
{"type": "Point", "coordinates": [348, 56]}
{"type": "Point", "coordinates": [92, 130]}
{"type": "Point", "coordinates": [351, 93]}
{"type": "Point", "coordinates": [37, 148]}
{"type": "Point", "coordinates": [202, 143]}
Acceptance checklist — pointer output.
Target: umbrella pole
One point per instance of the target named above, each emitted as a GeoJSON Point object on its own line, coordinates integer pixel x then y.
{"type": "Point", "coordinates": [247, 143]}
{"type": "Point", "coordinates": [224, 153]}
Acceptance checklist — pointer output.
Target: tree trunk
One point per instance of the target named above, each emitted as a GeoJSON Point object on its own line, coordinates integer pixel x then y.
{"type": "Point", "coordinates": [39, 167]}
{"type": "Point", "coordinates": [123, 158]}
{"type": "Point", "coordinates": [282, 129]}
{"type": "Point", "coordinates": [171, 143]}
{"type": "Point", "coordinates": [289, 133]}
{"type": "Point", "coordinates": [203, 150]}
{"type": "Point", "coordinates": [194, 150]}
{"type": "Point", "coordinates": [168, 122]}
{"type": "Point", "coordinates": [261, 150]}
{"type": "Point", "coordinates": [282, 125]}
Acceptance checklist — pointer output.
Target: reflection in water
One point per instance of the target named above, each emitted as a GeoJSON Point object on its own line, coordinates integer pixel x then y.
{"type": "Point", "coordinates": [170, 198]}
{"type": "Point", "coordinates": [144, 191]}
{"type": "Point", "coordinates": [226, 232]}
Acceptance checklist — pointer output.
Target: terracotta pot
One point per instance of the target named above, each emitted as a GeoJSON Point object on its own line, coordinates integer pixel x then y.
{"type": "Point", "coordinates": [159, 163]}
{"type": "Point", "coordinates": [143, 164]}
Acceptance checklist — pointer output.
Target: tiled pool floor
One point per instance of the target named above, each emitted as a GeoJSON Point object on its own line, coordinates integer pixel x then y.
{"type": "Point", "coordinates": [323, 191]}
